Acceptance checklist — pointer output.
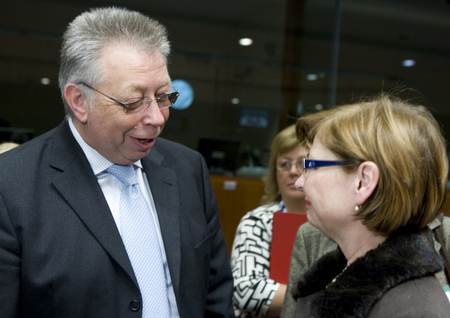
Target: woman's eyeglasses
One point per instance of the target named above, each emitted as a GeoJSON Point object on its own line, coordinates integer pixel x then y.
{"type": "Point", "coordinates": [314, 164]}
{"type": "Point", "coordinates": [285, 165]}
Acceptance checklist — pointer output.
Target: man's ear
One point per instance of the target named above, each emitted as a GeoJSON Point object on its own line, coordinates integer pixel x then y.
{"type": "Point", "coordinates": [368, 174]}
{"type": "Point", "coordinates": [76, 102]}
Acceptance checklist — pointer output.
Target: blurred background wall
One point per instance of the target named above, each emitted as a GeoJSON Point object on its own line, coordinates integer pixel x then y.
{"type": "Point", "coordinates": [304, 56]}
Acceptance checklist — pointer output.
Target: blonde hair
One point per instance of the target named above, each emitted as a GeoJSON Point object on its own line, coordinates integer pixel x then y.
{"type": "Point", "coordinates": [285, 141]}
{"type": "Point", "coordinates": [405, 142]}
{"type": "Point", "coordinates": [6, 146]}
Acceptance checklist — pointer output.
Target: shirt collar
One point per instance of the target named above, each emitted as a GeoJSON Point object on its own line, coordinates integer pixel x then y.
{"type": "Point", "coordinates": [281, 206]}
{"type": "Point", "coordinates": [96, 160]}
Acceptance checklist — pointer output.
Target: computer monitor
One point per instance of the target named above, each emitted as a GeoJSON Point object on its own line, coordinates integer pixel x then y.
{"type": "Point", "coordinates": [221, 155]}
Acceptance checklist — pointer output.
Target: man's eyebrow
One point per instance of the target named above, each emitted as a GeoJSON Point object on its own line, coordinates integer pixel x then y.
{"type": "Point", "coordinates": [141, 88]}
{"type": "Point", "coordinates": [166, 82]}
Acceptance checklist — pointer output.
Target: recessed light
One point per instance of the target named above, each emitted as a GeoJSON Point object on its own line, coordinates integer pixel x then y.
{"type": "Point", "coordinates": [408, 63]}
{"type": "Point", "coordinates": [312, 77]}
{"type": "Point", "coordinates": [45, 81]}
{"type": "Point", "coordinates": [235, 101]}
{"type": "Point", "coordinates": [245, 41]}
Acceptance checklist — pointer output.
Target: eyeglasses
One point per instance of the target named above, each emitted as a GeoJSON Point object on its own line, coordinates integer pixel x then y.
{"type": "Point", "coordinates": [314, 164]}
{"type": "Point", "coordinates": [284, 166]}
{"type": "Point", "coordinates": [133, 104]}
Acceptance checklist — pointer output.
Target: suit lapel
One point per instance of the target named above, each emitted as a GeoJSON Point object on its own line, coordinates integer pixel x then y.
{"type": "Point", "coordinates": [79, 187]}
{"type": "Point", "coordinates": [164, 187]}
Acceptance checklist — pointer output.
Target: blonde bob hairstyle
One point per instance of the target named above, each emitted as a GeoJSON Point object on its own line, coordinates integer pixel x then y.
{"type": "Point", "coordinates": [406, 144]}
{"type": "Point", "coordinates": [285, 141]}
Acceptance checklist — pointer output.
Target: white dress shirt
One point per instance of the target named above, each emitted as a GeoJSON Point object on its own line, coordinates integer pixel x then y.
{"type": "Point", "coordinates": [112, 188]}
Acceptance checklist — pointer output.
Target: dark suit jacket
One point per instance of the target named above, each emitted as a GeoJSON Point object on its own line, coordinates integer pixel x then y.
{"type": "Point", "coordinates": [61, 254]}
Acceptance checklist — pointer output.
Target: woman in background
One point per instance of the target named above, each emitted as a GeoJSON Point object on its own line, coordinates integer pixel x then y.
{"type": "Point", "coordinates": [255, 294]}
{"type": "Point", "coordinates": [375, 177]}
{"type": "Point", "coordinates": [6, 146]}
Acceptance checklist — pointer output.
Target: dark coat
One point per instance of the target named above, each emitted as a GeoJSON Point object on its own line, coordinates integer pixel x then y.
{"type": "Point", "coordinates": [394, 280]}
{"type": "Point", "coordinates": [61, 254]}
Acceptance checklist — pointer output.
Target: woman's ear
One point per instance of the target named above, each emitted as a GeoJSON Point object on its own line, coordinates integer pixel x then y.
{"type": "Point", "coordinates": [76, 101]}
{"type": "Point", "coordinates": [368, 174]}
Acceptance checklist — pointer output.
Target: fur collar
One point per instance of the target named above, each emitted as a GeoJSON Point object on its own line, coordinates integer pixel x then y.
{"type": "Point", "coordinates": [405, 255]}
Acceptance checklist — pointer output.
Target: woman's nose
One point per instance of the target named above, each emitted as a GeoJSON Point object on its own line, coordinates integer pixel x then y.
{"type": "Point", "coordinates": [295, 169]}
{"type": "Point", "coordinates": [300, 182]}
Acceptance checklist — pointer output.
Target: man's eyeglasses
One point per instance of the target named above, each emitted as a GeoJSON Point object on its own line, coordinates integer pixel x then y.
{"type": "Point", "coordinates": [284, 166]}
{"type": "Point", "coordinates": [314, 164]}
{"type": "Point", "coordinates": [135, 104]}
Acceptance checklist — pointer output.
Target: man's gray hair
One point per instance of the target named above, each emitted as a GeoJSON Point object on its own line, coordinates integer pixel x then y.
{"type": "Point", "coordinates": [91, 31]}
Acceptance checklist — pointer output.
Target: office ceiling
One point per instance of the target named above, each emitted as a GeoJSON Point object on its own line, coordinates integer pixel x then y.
{"type": "Point", "coordinates": [292, 40]}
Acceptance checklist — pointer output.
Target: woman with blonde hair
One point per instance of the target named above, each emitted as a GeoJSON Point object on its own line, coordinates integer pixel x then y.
{"type": "Point", "coordinates": [255, 294]}
{"type": "Point", "coordinates": [374, 178]}
{"type": "Point", "coordinates": [6, 146]}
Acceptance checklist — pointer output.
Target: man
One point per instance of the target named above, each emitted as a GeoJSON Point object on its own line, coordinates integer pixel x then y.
{"type": "Point", "coordinates": [64, 249]}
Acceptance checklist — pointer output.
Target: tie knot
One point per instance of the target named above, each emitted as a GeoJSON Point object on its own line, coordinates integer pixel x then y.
{"type": "Point", "coordinates": [125, 174]}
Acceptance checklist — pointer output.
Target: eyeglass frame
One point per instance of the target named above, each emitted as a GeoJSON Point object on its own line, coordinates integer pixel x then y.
{"type": "Point", "coordinates": [314, 164]}
{"type": "Point", "coordinates": [298, 165]}
{"type": "Point", "coordinates": [125, 104]}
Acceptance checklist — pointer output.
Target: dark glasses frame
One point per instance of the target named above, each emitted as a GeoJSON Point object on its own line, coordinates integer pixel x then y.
{"type": "Point", "coordinates": [314, 164]}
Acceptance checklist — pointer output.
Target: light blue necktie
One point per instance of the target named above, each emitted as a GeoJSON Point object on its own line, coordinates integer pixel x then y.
{"type": "Point", "coordinates": [140, 238]}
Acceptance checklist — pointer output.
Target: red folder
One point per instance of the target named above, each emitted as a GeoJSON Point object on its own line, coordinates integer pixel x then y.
{"type": "Point", "coordinates": [285, 226]}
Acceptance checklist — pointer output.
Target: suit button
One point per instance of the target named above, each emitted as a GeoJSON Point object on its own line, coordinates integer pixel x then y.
{"type": "Point", "coordinates": [134, 305]}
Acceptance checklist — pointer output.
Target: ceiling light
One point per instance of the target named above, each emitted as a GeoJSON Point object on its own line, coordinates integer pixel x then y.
{"type": "Point", "coordinates": [245, 41]}
{"type": "Point", "coordinates": [45, 81]}
{"type": "Point", "coordinates": [408, 63]}
{"type": "Point", "coordinates": [235, 101]}
{"type": "Point", "coordinates": [312, 77]}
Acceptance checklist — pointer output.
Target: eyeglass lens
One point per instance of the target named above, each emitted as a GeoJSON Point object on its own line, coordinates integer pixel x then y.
{"type": "Point", "coordinates": [132, 104]}
{"type": "Point", "coordinates": [164, 101]}
{"type": "Point", "coordinates": [287, 165]}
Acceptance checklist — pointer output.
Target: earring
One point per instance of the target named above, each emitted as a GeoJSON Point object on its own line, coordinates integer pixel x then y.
{"type": "Point", "coordinates": [357, 207]}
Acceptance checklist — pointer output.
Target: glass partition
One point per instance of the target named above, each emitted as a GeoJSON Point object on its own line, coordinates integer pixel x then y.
{"type": "Point", "coordinates": [297, 57]}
